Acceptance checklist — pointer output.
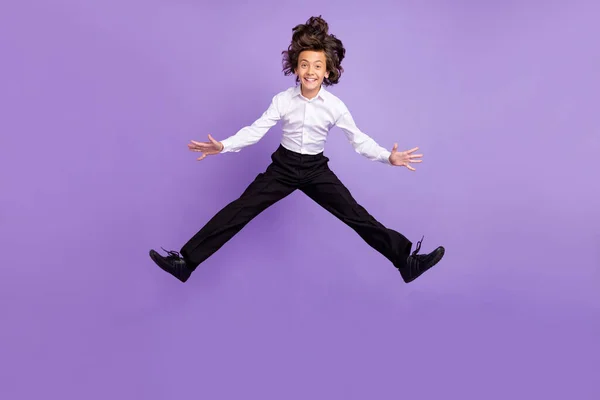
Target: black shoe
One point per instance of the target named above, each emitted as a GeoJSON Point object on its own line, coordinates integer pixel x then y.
{"type": "Point", "coordinates": [173, 264]}
{"type": "Point", "coordinates": [417, 264]}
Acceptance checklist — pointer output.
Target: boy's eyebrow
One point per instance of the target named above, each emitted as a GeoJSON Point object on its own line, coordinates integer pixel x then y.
{"type": "Point", "coordinates": [304, 59]}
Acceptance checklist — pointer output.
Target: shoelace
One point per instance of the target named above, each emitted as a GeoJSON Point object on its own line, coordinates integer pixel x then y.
{"type": "Point", "coordinates": [172, 254]}
{"type": "Point", "coordinates": [414, 253]}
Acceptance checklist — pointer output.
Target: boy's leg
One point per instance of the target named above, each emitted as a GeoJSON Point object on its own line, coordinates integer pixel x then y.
{"type": "Point", "coordinates": [328, 191]}
{"type": "Point", "coordinates": [278, 181]}
{"type": "Point", "coordinates": [266, 189]}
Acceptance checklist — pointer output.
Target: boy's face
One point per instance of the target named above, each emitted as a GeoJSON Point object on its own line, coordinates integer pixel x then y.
{"type": "Point", "coordinates": [312, 69]}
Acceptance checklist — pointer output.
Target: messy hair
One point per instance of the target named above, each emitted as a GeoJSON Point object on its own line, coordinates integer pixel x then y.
{"type": "Point", "coordinates": [314, 35]}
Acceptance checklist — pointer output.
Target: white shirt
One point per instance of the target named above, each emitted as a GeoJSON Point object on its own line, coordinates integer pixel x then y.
{"type": "Point", "coordinates": [306, 124]}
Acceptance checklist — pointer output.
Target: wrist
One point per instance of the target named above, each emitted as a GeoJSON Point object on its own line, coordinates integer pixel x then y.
{"type": "Point", "coordinates": [389, 157]}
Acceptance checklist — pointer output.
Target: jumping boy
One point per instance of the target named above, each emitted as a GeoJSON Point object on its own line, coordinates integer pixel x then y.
{"type": "Point", "coordinates": [307, 112]}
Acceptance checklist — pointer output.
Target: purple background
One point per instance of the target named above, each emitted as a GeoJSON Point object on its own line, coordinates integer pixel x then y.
{"type": "Point", "coordinates": [99, 99]}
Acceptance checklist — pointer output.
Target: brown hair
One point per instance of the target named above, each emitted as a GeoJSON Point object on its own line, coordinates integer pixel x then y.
{"type": "Point", "coordinates": [314, 35]}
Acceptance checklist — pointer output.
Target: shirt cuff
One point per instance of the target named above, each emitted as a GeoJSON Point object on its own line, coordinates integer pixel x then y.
{"type": "Point", "coordinates": [385, 157]}
{"type": "Point", "coordinates": [227, 146]}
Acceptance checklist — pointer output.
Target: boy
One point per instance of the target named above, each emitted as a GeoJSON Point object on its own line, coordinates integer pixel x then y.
{"type": "Point", "coordinates": [307, 112]}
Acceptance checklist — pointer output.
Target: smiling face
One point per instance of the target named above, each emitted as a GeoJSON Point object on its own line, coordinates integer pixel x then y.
{"type": "Point", "coordinates": [311, 70]}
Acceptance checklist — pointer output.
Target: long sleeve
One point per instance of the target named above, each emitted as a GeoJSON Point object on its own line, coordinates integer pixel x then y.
{"type": "Point", "coordinates": [362, 143]}
{"type": "Point", "coordinates": [251, 134]}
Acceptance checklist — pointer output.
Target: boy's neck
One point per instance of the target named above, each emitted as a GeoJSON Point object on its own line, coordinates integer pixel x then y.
{"type": "Point", "coordinates": [309, 94]}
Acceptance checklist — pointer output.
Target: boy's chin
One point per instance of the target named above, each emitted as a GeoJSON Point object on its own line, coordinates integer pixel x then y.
{"type": "Point", "coordinates": [310, 85]}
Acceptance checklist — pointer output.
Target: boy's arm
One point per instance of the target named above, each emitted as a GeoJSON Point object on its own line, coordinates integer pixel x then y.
{"type": "Point", "coordinates": [251, 134]}
{"type": "Point", "coordinates": [363, 144]}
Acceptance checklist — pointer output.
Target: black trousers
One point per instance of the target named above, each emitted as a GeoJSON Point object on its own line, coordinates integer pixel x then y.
{"type": "Point", "coordinates": [287, 172]}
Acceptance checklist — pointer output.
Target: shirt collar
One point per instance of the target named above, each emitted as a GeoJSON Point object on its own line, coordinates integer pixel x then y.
{"type": "Point", "coordinates": [321, 95]}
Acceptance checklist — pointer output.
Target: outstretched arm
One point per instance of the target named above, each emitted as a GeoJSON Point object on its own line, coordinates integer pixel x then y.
{"type": "Point", "coordinates": [246, 136]}
{"type": "Point", "coordinates": [363, 144]}
{"type": "Point", "coordinates": [251, 134]}
{"type": "Point", "coordinates": [366, 146]}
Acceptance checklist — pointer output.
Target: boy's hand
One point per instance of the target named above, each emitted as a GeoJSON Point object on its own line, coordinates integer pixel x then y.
{"type": "Point", "coordinates": [404, 158]}
{"type": "Point", "coordinates": [206, 148]}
